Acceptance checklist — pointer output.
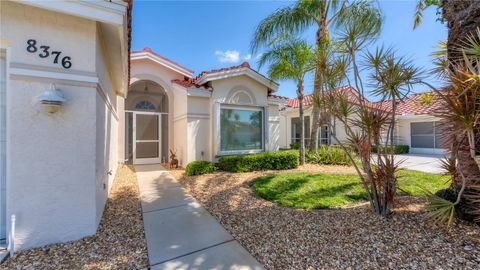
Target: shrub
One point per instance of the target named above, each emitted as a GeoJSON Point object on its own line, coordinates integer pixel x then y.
{"type": "Point", "coordinates": [294, 146]}
{"type": "Point", "coordinates": [328, 155]}
{"type": "Point", "coordinates": [199, 167]}
{"type": "Point", "coordinates": [274, 160]}
{"type": "Point", "coordinates": [397, 149]}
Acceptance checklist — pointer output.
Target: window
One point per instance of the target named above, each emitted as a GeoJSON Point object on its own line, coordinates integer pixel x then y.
{"type": "Point", "coordinates": [323, 135]}
{"type": "Point", "coordinates": [241, 129]}
{"type": "Point", "coordinates": [296, 129]}
{"type": "Point", "coordinates": [426, 135]}
{"type": "Point", "coordinates": [145, 105]}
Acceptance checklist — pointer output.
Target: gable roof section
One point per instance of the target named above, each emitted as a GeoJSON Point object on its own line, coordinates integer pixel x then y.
{"type": "Point", "coordinates": [242, 69]}
{"type": "Point", "coordinates": [148, 53]}
{"type": "Point", "coordinates": [223, 73]}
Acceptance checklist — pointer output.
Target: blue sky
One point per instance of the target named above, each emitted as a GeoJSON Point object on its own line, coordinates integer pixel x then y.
{"type": "Point", "coordinates": [204, 35]}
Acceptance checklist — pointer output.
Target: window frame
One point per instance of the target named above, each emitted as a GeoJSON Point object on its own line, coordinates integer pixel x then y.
{"type": "Point", "coordinates": [221, 152]}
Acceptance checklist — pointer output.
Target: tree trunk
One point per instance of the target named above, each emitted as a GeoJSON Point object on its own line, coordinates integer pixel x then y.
{"type": "Point", "coordinates": [322, 36]}
{"type": "Point", "coordinates": [463, 17]}
{"type": "Point", "coordinates": [302, 122]}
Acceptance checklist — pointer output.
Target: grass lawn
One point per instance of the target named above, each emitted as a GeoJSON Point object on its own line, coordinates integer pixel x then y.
{"type": "Point", "coordinates": [327, 190]}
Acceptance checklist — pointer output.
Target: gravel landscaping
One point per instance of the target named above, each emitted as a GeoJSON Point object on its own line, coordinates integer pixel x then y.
{"type": "Point", "coordinates": [118, 244]}
{"type": "Point", "coordinates": [353, 238]}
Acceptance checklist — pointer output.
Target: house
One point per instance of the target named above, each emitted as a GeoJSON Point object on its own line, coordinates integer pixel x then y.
{"type": "Point", "coordinates": [218, 112]}
{"type": "Point", "coordinates": [75, 104]}
{"type": "Point", "coordinates": [57, 168]}
{"type": "Point", "coordinates": [417, 126]}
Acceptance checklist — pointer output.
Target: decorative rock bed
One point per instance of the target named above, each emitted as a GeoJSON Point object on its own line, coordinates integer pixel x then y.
{"type": "Point", "coordinates": [118, 244]}
{"type": "Point", "coordinates": [353, 238]}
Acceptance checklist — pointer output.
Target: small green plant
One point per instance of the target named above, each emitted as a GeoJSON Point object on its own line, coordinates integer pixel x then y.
{"type": "Point", "coordinates": [274, 160]}
{"type": "Point", "coordinates": [328, 155]}
{"type": "Point", "coordinates": [199, 167]}
{"type": "Point", "coordinates": [394, 149]}
{"type": "Point", "coordinates": [294, 146]}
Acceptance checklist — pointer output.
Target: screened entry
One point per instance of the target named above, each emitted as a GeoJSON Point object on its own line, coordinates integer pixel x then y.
{"type": "Point", "coordinates": [146, 124]}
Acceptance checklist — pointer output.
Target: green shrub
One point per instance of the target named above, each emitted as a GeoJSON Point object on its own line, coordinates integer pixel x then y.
{"type": "Point", "coordinates": [294, 146]}
{"type": "Point", "coordinates": [397, 149]}
{"type": "Point", "coordinates": [274, 160]}
{"type": "Point", "coordinates": [199, 167]}
{"type": "Point", "coordinates": [328, 155]}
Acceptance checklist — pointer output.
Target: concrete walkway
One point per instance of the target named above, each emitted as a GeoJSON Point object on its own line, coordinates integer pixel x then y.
{"type": "Point", "coordinates": [180, 233]}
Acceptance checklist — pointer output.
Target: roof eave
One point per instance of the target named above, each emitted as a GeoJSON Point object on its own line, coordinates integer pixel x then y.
{"type": "Point", "coordinates": [147, 55]}
{"type": "Point", "coordinates": [238, 72]}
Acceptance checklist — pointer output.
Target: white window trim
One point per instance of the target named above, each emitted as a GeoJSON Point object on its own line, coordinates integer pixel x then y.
{"type": "Point", "coordinates": [250, 107]}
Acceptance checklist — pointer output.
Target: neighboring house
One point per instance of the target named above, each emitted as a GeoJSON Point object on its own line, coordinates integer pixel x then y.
{"type": "Point", "coordinates": [57, 168]}
{"type": "Point", "coordinates": [219, 112]}
{"type": "Point", "coordinates": [60, 145]}
{"type": "Point", "coordinates": [416, 126]}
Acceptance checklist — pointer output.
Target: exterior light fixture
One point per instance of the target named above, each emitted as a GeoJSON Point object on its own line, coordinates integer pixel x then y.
{"type": "Point", "coordinates": [52, 99]}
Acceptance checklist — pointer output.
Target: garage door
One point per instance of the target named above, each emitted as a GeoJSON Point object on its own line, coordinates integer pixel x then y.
{"type": "Point", "coordinates": [3, 86]}
{"type": "Point", "coordinates": [426, 137]}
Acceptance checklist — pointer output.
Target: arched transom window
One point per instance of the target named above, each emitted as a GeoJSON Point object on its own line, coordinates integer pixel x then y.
{"type": "Point", "coordinates": [145, 105]}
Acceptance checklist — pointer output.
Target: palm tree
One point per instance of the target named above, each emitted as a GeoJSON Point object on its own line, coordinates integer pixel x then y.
{"type": "Point", "coordinates": [290, 58]}
{"type": "Point", "coordinates": [321, 14]}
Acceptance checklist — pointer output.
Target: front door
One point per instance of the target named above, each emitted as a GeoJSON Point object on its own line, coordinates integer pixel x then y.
{"type": "Point", "coordinates": [146, 138]}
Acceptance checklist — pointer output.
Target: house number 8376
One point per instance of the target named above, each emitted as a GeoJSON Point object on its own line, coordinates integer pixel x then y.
{"type": "Point", "coordinates": [44, 52]}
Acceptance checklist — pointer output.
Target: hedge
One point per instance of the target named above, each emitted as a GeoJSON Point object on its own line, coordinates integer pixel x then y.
{"type": "Point", "coordinates": [274, 160]}
{"type": "Point", "coordinates": [328, 155]}
{"type": "Point", "coordinates": [199, 167]}
{"type": "Point", "coordinates": [397, 149]}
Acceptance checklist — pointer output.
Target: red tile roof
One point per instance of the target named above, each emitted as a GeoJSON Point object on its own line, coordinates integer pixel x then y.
{"type": "Point", "coordinates": [413, 104]}
{"type": "Point", "coordinates": [189, 82]}
{"type": "Point", "coordinates": [149, 50]}
{"type": "Point", "coordinates": [308, 99]}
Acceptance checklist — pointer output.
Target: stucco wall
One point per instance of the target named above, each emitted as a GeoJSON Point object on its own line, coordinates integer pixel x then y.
{"type": "Point", "coordinates": [106, 160]}
{"type": "Point", "coordinates": [57, 162]}
{"type": "Point", "coordinates": [199, 126]}
{"type": "Point", "coordinates": [273, 127]}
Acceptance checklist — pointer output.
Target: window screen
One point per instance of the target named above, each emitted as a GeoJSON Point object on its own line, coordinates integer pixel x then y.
{"type": "Point", "coordinates": [426, 135]}
{"type": "Point", "coordinates": [296, 129]}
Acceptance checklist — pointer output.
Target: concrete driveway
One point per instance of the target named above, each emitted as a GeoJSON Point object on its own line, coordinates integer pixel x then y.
{"type": "Point", "coordinates": [421, 162]}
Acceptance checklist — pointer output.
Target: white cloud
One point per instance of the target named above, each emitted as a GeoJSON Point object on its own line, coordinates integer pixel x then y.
{"type": "Point", "coordinates": [228, 56]}
{"type": "Point", "coordinates": [258, 56]}
{"type": "Point", "coordinates": [231, 56]}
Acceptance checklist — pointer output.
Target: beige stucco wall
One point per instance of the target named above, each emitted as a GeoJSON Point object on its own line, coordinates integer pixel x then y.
{"type": "Point", "coordinates": [199, 129]}
{"type": "Point", "coordinates": [57, 163]}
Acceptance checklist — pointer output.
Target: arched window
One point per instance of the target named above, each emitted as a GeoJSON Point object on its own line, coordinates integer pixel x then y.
{"type": "Point", "coordinates": [145, 105]}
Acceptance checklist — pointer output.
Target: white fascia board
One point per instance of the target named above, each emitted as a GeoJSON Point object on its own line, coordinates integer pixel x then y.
{"type": "Point", "coordinates": [199, 92]}
{"type": "Point", "coordinates": [238, 72]}
{"type": "Point", "coordinates": [416, 116]}
{"type": "Point", "coordinates": [276, 101]}
{"type": "Point", "coordinates": [163, 62]}
{"type": "Point", "coordinates": [101, 11]}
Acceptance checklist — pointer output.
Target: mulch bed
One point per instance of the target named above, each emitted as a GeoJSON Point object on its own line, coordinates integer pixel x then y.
{"type": "Point", "coordinates": [350, 238]}
{"type": "Point", "coordinates": [119, 242]}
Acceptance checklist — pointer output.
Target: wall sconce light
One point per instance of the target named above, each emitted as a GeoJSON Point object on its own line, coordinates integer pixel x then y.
{"type": "Point", "coordinates": [52, 99]}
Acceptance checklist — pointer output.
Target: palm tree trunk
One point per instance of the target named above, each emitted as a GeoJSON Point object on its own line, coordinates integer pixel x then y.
{"type": "Point", "coordinates": [322, 36]}
{"type": "Point", "coordinates": [302, 121]}
{"type": "Point", "coordinates": [463, 18]}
